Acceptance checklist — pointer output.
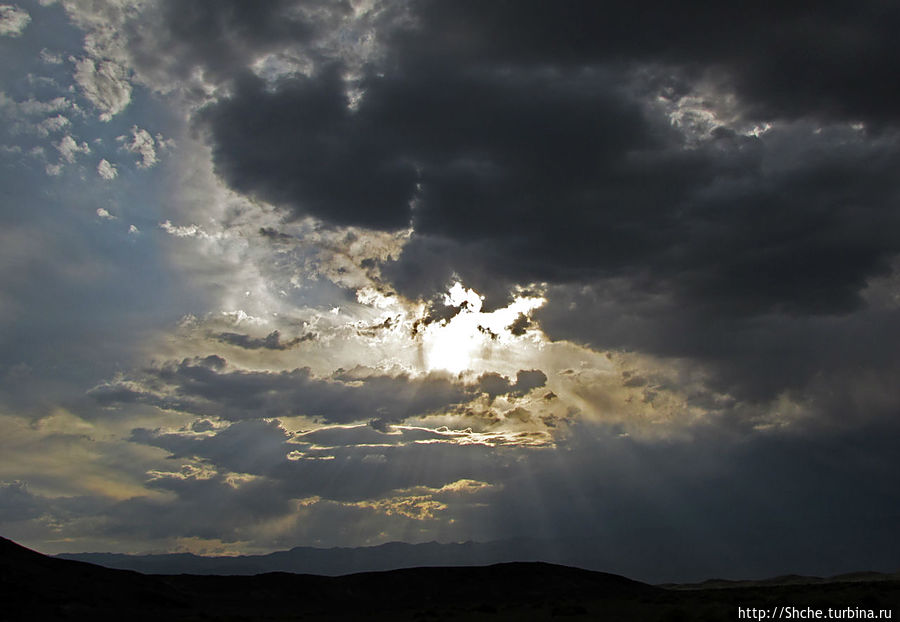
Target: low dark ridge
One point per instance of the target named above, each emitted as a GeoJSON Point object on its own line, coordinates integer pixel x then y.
{"type": "Point", "coordinates": [37, 587]}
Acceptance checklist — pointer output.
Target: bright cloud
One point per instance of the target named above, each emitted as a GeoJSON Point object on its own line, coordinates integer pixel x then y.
{"type": "Point", "coordinates": [105, 84]}
{"type": "Point", "coordinates": [13, 20]}
{"type": "Point", "coordinates": [106, 170]}
{"type": "Point", "coordinates": [142, 144]}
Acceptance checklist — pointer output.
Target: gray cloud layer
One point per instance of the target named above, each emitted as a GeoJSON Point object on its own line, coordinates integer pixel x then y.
{"type": "Point", "coordinates": [206, 387]}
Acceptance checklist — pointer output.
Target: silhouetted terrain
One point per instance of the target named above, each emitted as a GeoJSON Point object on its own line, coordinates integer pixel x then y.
{"type": "Point", "coordinates": [396, 555]}
{"type": "Point", "coordinates": [38, 587]}
{"type": "Point", "coordinates": [391, 556]}
{"type": "Point", "coordinates": [332, 561]}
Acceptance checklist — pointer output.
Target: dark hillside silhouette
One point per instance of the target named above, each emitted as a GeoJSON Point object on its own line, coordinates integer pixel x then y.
{"type": "Point", "coordinates": [38, 587]}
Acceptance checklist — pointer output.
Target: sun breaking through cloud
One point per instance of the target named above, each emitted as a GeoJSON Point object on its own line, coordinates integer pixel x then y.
{"type": "Point", "coordinates": [336, 274]}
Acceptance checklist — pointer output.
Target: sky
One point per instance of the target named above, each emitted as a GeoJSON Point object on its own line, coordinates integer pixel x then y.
{"type": "Point", "coordinates": [343, 273]}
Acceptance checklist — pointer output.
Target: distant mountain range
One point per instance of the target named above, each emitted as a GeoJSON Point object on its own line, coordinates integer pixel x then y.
{"type": "Point", "coordinates": [397, 555]}
{"type": "Point", "coordinates": [39, 587]}
{"type": "Point", "coordinates": [341, 561]}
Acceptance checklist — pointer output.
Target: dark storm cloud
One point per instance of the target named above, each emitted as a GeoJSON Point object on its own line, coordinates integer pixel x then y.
{"type": "Point", "coordinates": [753, 357]}
{"type": "Point", "coordinates": [524, 142]}
{"type": "Point", "coordinates": [252, 446]}
{"type": "Point", "coordinates": [792, 222]}
{"type": "Point", "coordinates": [790, 59]}
{"type": "Point", "coordinates": [534, 145]}
{"type": "Point", "coordinates": [299, 150]}
{"type": "Point", "coordinates": [272, 341]}
{"type": "Point", "coordinates": [519, 325]}
{"type": "Point", "coordinates": [539, 153]}
{"type": "Point", "coordinates": [206, 387]}
{"type": "Point", "coordinates": [481, 154]}
{"type": "Point", "coordinates": [494, 384]}
{"type": "Point", "coordinates": [532, 172]}
{"type": "Point", "coordinates": [221, 38]}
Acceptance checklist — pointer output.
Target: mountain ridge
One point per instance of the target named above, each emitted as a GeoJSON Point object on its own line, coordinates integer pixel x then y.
{"type": "Point", "coordinates": [39, 587]}
{"type": "Point", "coordinates": [338, 561]}
{"type": "Point", "coordinates": [333, 561]}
